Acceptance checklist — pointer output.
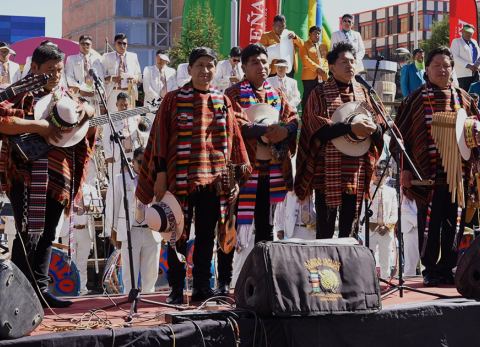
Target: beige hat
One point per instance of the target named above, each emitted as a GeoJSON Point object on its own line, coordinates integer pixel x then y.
{"type": "Point", "coordinates": [468, 28]}
{"type": "Point", "coordinates": [166, 217]}
{"type": "Point", "coordinates": [346, 144]}
{"type": "Point", "coordinates": [63, 115]}
{"type": "Point", "coordinates": [164, 57]}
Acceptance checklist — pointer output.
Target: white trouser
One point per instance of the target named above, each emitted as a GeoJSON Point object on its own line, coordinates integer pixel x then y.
{"type": "Point", "coordinates": [410, 251]}
{"type": "Point", "coordinates": [384, 243]}
{"type": "Point", "coordinates": [304, 233]}
{"type": "Point", "coordinates": [146, 258]}
{"type": "Point", "coordinates": [82, 244]}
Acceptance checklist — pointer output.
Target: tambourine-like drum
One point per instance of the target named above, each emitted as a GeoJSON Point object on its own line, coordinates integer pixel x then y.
{"type": "Point", "coordinates": [112, 275]}
{"type": "Point", "coordinates": [65, 277]}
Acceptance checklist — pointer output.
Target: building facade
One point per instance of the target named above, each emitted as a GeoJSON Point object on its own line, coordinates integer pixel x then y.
{"type": "Point", "coordinates": [387, 28]}
{"type": "Point", "coordinates": [17, 28]}
{"type": "Point", "coordinates": [148, 24]}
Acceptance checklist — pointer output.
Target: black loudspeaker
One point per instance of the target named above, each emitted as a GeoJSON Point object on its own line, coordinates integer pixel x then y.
{"type": "Point", "coordinates": [467, 276]}
{"type": "Point", "coordinates": [20, 309]}
{"type": "Point", "coordinates": [308, 278]}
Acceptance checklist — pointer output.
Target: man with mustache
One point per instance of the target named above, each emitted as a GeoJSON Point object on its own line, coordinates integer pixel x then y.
{"type": "Point", "coordinates": [339, 180]}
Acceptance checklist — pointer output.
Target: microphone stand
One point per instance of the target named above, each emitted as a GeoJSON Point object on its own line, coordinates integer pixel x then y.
{"type": "Point", "coordinates": [134, 294]}
{"type": "Point", "coordinates": [377, 66]}
{"type": "Point", "coordinates": [400, 287]}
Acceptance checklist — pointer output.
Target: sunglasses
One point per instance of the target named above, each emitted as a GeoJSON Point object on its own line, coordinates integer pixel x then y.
{"type": "Point", "coordinates": [121, 43]}
{"type": "Point", "coordinates": [85, 43]}
{"type": "Point", "coordinates": [347, 21]}
{"type": "Point", "coordinates": [236, 60]}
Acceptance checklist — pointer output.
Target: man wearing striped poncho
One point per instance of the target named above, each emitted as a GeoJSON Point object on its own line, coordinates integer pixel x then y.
{"type": "Point", "coordinates": [192, 139]}
{"type": "Point", "coordinates": [339, 180]}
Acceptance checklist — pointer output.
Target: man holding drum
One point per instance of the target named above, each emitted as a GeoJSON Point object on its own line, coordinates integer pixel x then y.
{"type": "Point", "coordinates": [441, 214]}
{"type": "Point", "coordinates": [337, 154]}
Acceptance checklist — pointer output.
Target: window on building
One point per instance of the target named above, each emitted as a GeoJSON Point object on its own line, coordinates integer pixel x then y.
{"type": "Point", "coordinates": [381, 29]}
{"type": "Point", "coordinates": [391, 27]}
{"type": "Point", "coordinates": [366, 31]}
{"type": "Point", "coordinates": [404, 25]}
{"type": "Point", "coordinates": [427, 22]}
{"type": "Point", "coordinates": [134, 8]}
{"type": "Point", "coordinates": [137, 31]}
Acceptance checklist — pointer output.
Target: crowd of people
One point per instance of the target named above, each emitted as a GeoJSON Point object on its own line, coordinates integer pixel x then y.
{"type": "Point", "coordinates": [227, 138]}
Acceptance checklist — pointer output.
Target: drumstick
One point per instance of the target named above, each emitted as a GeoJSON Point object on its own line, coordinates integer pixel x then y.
{"type": "Point", "coordinates": [59, 245]}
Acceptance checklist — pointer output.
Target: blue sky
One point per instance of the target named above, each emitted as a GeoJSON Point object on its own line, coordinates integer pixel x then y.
{"type": "Point", "coordinates": [52, 10]}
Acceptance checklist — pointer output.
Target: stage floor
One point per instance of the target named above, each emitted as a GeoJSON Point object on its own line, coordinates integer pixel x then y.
{"type": "Point", "coordinates": [424, 310]}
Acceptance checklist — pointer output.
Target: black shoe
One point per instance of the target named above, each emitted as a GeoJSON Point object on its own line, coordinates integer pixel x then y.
{"type": "Point", "coordinates": [223, 289]}
{"type": "Point", "coordinates": [53, 301]}
{"type": "Point", "coordinates": [175, 297]}
{"type": "Point", "coordinates": [431, 281]}
{"type": "Point", "coordinates": [202, 294]}
{"type": "Point", "coordinates": [447, 279]}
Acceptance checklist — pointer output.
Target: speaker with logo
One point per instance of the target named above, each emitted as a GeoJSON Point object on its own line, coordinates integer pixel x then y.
{"type": "Point", "coordinates": [20, 309]}
{"type": "Point", "coordinates": [309, 278]}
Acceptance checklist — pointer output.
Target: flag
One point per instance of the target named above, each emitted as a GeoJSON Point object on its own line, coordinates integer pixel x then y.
{"type": "Point", "coordinates": [255, 17]}
{"type": "Point", "coordinates": [221, 14]}
{"type": "Point", "coordinates": [462, 12]}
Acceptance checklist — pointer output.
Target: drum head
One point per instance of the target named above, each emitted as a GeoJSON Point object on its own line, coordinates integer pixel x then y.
{"type": "Point", "coordinates": [65, 277]}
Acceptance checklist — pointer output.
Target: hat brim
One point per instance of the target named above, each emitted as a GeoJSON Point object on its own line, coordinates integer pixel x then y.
{"type": "Point", "coordinates": [460, 134]}
{"type": "Point", "coordinates": [281, 65]}
{"type": "Point", "coordinates": [262, 113]}
{"type": "Point", "coordinates": [468, 30]}
{"type": "Point", "coordinates": [344, 144]}
{"type": "Point", "coordinates": [164, 57]}
{"type": "Point", "coordinates": [11, 51]}
{"type": "Point", "coordinates": [152, 218]}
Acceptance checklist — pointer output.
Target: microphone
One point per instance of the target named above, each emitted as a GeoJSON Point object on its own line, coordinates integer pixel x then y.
{"type": "Point", "coordinates": [96, 79]}
{"type": "Point", "coordinates": [364, 83]}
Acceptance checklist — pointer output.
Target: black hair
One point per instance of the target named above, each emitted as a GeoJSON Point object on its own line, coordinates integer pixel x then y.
{"type": "Point", "coordinates": [122, 96]}
{"type": "Point", "coordinates": [347, 15]}
{"type": "Point", "coordinates": [339, 48]}
{"type": "Point", "coordinates": [235, 52]}
{"type": "Point", "coordinates": [417, 50]}
{"type": "Point", "coordinates": [138, 151]}
{"type": "Point", "coordinates": [45, 53]}
{"type": "Point", "coordinates": [85, 37]}
{"type": "Point", "coordinates": [160, 51]}
{"type": "Point", "coordinates": [252, 50]}
{"type": "Point", "coordinates": [314, 28]}
{"type": "Point", "coordinates": [279, 18]}
{"type": "Point", "coordinates": [47, 43]}
{"type": "Point", "coordinates": [443, 50]}
{"type": "Point", "coordinates": [120, 36]}
{"type": "Point", "coordinates": [199, 52]}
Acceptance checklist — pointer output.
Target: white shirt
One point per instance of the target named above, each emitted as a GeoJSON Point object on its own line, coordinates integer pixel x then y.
{"type": "Point", "coordinates": [74, 68]}
{"type": "Point", "coordinates": [289, 86]}
{"type": "Point", "coordinates": [153, 83]}
{"type": "Point", "coordinates": [224, 72]}
{"type": "Point", "coordinates": [462, 55]}
{"type": "Point", "coordinates": [115, 213]}
{"type": "Point", "coordinates": [355, 39]}
{"type": "Point", "coordinates": [292, 212]}
{"type": "Point", "coordinates": [389, 202]}
{"type": "Point", "coordinates": [183, 77]}
{"type": "Point", "coordinates": [14, 73]}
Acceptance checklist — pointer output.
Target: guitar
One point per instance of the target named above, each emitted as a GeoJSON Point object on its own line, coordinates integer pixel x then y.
{"type": "Point", "coordinates": [29, 83]}
{"type": "Point", "coordinates": [32, 146]}
{"type": "Point", "coordinates": [226, 232]}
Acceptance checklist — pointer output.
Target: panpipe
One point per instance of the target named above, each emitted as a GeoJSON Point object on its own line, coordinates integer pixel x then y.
{"type": "Point", "coordinates": [443, 133]}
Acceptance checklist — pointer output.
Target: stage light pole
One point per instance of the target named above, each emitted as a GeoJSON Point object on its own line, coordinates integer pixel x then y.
{"type": "Point", "coordinates": [415, 23]}
{"type": "Point", "coordinates": [234, 24]}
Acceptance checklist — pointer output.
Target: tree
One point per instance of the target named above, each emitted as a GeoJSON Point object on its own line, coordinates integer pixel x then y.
{"type": "Point", "coordinates": [199, 29]}
{"type": "Point", "coordinates": [440, 35]}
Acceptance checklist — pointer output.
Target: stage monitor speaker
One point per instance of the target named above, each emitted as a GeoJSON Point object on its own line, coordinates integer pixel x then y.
{"type": "Point", "coordinates": [20, 309]}
{"type": "Point", "coordinates": [308, 278]}
{"type": "Point", "coordinates": [467, 276]}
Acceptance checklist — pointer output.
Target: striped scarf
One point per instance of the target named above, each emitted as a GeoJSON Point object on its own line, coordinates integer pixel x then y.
{"type": "Point", "coordinates": [278, 190]}
{"type": "Point", "coordinates": [185, 107]}
{"type": "Point", "coordinates": [334, 163]}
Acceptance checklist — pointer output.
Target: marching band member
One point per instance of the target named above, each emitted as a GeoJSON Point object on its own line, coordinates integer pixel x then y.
{"type": "Point", "coordinates": [9, 70]}
{"type": "Point", "coordinates": [229, 71]}
{"type": "Point", "coordinates": [52, 175]}
{"type": "Point", "coordinates": [194, 136]}
{"type": "Point", "coordinates": [384, 207]}
{"type": "Point", "coordinates": [132, 136]}
{"type": "Point", "coordinates": [122, 72]}
{"type": "Point", "coordinates": [339, 180]}
{"type": "Point", "coordinates": [145, 242]}
{"type": "Point", "coordinates": [314, 64]}
{"type": "Point", "coordinates": [77, 69]}
{"type": "Point", "coordinates": [158, 79]}
{"type": "Point", "coordinates": [286, 84]}
{"type": "Point", "coordinates": [183, 77]}
{"type": "Point", "coordinates": [439, 219]}
{"type": "Point", "coordinates": [272, 175]}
